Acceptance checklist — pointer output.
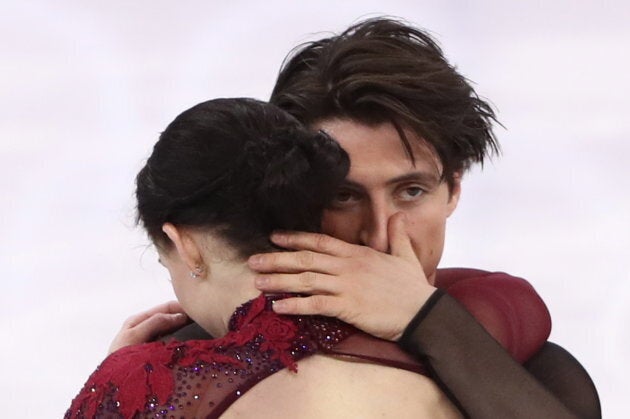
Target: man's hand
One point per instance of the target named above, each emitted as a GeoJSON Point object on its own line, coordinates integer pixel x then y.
{"type": "Point", "coordinates": [146, 326]}
{"type": "Point", "coordinates": [376, 292]}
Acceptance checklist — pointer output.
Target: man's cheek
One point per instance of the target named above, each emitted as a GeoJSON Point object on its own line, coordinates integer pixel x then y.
{"type": "Point", "coordinates": [427, 240]}
{"type": "Point", "coordinates": [432, 246]}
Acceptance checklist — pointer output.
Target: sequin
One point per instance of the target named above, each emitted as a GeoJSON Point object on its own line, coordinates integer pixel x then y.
{"type": "Point", "coordinates": [258, 345]}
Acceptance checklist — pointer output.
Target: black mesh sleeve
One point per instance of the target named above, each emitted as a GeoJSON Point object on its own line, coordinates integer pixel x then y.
{"type": "Point", "coordinates": [483, 380]}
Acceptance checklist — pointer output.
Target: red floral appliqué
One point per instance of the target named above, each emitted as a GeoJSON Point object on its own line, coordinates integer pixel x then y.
{"type": "Point", "coordinates": [138, 378]}
{"type": "Point", "coordinates": [125, 369]}
{"type": "Point", "coordinates": [276, 329]}
{"type": "Point", "coordinates": [278, 334]}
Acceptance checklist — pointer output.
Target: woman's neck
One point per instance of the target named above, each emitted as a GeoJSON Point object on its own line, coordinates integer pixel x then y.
{"type": "Point", "coordinates": [229, 285]}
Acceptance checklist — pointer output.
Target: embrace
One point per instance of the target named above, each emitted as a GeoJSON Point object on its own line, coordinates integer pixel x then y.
{"type": "Point", "coordinates": [303, 238]}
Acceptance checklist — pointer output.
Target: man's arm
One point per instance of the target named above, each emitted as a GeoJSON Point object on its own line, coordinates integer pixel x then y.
{"type": "Point", "coordinates": [477, 374]}
{"type": "Point", "coordinates": [484, 380]}
{"type": "Point", "coordinates": [564, 376]}
{"type": "Point", "coordinates": [370, 290]}
{"type": "Point", "coordinates": [470, 365]}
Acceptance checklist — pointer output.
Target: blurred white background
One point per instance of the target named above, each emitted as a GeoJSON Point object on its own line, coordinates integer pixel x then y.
{"type": "Point", "coordinates": [87, 86]}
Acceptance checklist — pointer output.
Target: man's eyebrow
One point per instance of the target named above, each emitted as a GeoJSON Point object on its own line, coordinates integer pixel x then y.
{"type": "Point", "coordinates": [347, 183]}
{"type": "Point", "coordinates": [421, 177]}
{"type": "Point", "coordinates": [428, 179]}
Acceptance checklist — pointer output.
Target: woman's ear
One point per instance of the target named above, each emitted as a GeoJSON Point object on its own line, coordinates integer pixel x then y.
{"type": "Point", "coordinates": [454, 192]}
{"type": "Point", "coordinates": [187, 248]}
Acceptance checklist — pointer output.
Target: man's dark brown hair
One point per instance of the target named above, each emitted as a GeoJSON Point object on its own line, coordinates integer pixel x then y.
{"type": "Point", "coordinates": [383, 70]}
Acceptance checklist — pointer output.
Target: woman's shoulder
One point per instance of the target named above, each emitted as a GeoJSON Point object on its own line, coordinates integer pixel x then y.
{"type": "Point", "coordinates": [108, 383]}
{"type": "Point", "coordinates": [150, 378]}
{"type": "Point", "coordinates": [199, 377]}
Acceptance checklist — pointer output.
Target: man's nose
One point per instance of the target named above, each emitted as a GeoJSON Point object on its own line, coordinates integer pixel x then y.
{"type": "Point", "coordinates": [374, 227]}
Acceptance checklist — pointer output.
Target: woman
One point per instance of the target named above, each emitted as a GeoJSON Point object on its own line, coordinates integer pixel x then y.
{"type": "Point", "coordinates": [222, 176]}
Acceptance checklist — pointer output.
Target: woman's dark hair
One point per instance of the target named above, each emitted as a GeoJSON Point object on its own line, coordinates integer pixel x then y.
{"type": "Point", "coordinates": [242, 168]}
{"type": "Point", "coordinates": [382, 70]}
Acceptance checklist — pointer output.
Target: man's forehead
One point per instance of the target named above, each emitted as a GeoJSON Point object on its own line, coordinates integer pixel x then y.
{"type": "Point", "coordinates": [378, 167]}
{"type": "Point", "coordinates": [379, 150]}
{"type": "Point", "coordinates": [401, 162]}
{"type": "Point", "coordinates": [357, 136]}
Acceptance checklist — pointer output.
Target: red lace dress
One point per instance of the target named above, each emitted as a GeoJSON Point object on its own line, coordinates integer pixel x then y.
{"type": "Point", "coordinates": [202, 378]}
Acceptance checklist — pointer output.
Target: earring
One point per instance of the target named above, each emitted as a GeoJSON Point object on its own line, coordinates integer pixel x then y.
{"type": "Point", "coordinates": [196, 273]}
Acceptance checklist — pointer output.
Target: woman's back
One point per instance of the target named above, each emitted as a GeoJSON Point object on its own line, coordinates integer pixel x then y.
{"type": "Point", "coordinates": [326, 387]}
{"type": "Point", "coordinates": [267, 365]}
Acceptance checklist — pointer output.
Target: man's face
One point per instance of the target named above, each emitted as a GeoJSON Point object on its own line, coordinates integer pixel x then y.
{"type": "Point", "coordinates": [383, 181]}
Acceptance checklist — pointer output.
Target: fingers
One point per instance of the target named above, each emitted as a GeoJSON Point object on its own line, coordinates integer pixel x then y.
{"type": "Point", "coordinates": [312, 305]}
{"type": "Point", "coordinates": [170, 307]}
{"type": "Point", "coordinates": [320, 243]}
{"type": "Point", "coordinates": [145, 326]}
{"type": "Point", "coordinates": [293, 262]}
{"type": "Point", "coordinates": [159, 324]}
{"type": "Point", "coordinates": [148, 328]}
{"type": "Point", "coordinates": [302, 283]}
{"type": "Point", "coordinates": [399, 241]}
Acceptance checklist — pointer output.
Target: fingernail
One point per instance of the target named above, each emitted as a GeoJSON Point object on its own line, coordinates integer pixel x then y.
{"type": "Point", "coordinates": [261, 281]}
{"type": "Point", "coordinates": [278, 237]}
{"type": "Point", "coordinates": [278, 306]}
{"type": "Point", "coordinates": [254, 261]}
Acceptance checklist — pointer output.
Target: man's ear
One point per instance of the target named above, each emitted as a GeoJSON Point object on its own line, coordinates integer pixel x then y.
{"type": "Point", "coordinates": [454, 193]}
{"type": "Point", "coordinates": [187, 248]}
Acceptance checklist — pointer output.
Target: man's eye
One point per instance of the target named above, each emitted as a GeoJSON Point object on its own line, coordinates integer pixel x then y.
{"type": "Point", "coordinates": [344, 198]}
{"type": "Point", "coordinates": [411, 192]}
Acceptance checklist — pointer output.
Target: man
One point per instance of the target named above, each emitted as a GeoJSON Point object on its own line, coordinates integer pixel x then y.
{"type": "Point", "coordinates": [412, 126]}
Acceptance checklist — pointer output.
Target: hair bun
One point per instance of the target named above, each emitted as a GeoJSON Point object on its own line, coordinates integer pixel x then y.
{"type": "Point", "coordinates": [241, 167]}
{"type": "Point", "coordinates": [299, 172]}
